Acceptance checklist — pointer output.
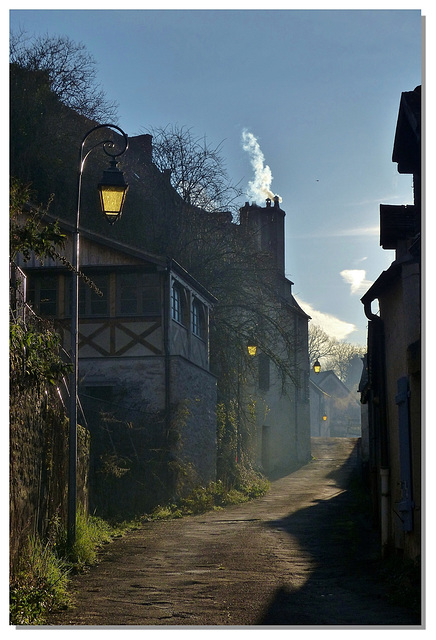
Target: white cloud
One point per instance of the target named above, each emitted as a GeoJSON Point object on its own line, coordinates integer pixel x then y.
{"type": "Point", "coordinates": [342, 233]}
{"type": "Point", "coordinates": [356, 278]}
{"type": "Point", "coordinates": [334, 327]}
{"type": "Point", "coordinates": [358, 231]}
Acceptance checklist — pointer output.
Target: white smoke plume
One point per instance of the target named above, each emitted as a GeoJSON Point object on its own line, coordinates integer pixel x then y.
{"type": "Point", "coordinates": [260, 187]}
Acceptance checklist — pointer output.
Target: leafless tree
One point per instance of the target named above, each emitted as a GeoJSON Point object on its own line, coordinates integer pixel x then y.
{"type": "Point", "coordinates": [71, 70]}
{"type": "Point", "coordinates": [320, 344]}
{"type": "Point", "coordinates": [197, 170]}
{"type": "Point", "coordinates": [335, 355]}
{"type": "Point", "coordinates": [342, 356]}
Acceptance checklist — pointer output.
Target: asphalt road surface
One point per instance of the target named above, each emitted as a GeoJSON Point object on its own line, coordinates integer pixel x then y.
{"type": "Point", "coordinates": [301, 555]}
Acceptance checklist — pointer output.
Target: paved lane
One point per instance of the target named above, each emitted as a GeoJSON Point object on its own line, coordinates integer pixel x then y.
{"type": "Point", "coordinates": [298, 556]}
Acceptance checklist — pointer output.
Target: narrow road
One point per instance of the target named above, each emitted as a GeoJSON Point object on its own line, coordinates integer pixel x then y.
{"type": "Point", "coordinates": [289, 558]}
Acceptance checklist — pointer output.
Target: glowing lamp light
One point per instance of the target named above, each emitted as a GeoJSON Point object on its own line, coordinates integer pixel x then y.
{"type": "Point", "coordinates": [112, 189]}
{"type": "Point", "coordinates": [317, 366]}
{"type": "Point", "coordinates": [251, 346]}
{"type": "Point", "coordinates": [324, 417]}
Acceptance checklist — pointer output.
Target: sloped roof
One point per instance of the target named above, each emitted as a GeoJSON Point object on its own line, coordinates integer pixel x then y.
{"type": "Point", "coordinates": [318, 389]}
{"type": "Point", "coordinates": [164, 262]}
{"type": "Point", "coordinates": [321, 378]}
{"type": "Point", "coordinates": [407, 143]}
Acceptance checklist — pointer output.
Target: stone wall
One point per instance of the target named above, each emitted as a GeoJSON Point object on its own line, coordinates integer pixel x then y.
{"type": "Point", "coordinates": [139, 458]}
{"type": "Point", "coordinates": [195, 389]}
{"type": "Point", "coordinates": [38, 486]}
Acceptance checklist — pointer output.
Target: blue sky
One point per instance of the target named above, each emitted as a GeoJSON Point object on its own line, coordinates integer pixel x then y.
{"type": "Point", "coordinates": [318, 89]}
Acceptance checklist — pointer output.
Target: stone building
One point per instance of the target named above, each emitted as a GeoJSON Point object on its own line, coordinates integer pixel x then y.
{"type": "Point", "coordinates": [334, 409]}
{"type": "Point", "coordinates": [391, 383]}
{"type": "Point", "coordinates": [282, 418]}
{"type": "Point", "coordinates": [145, 384]}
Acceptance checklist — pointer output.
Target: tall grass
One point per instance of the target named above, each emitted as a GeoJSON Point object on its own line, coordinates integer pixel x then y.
{"type": "Point", "coordinates": [40, 584]}
{"type": "Point", "coordinates": [40, 581]}
{"type": "Point", "coordinates": [91, 534]}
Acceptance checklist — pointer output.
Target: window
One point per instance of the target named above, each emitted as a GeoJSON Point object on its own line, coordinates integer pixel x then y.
{"type": "Point", "coordinates": [43, 294]}
{"type": "Point", "coordinates": [91, 303]}
{"type": "Point", "coordinates": [198, 319]}
{"type": "Point", "coordinates": [264, 372]}
{"type": "Point", "coordinates": [177, 303]}
{"type": "Point", "coordinates": [138, 294]}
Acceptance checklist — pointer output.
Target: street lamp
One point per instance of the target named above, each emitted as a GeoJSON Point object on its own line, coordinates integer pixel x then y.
{"type": "Point", "coordinates": [317, 366]}
{"type": "Point", "coordinates": [252, 347]}
{"type": "Point", "coordinates": [113, 191]}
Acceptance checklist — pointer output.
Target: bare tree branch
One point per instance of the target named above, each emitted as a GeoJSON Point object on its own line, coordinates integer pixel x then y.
{"type": "Point", "coordinates": [71, 70]}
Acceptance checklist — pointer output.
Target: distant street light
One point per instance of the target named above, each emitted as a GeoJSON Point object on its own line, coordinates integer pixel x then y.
{"type": "Point", "coordinates": [113, 191]}
{"type": "Point", "coordinates": [317, 366]}
{"type": "Point", "coordinates": [252, 347]}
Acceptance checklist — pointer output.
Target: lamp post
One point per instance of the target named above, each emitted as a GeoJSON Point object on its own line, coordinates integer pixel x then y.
{"type": "Point", "coordinates": [113, 191]}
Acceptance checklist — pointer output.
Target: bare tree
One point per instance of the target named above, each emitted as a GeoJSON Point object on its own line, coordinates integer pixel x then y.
{"type": "Point", "coordinates": [197, 170]}
{"type": "Point", "coordinates": [71, 70]}
{"type": "Point", "coordinates": [335, 355]}
{"type": "Point", "coordinates": [320, 344]}
{"type": "Point", "coordinates": [342, 356]}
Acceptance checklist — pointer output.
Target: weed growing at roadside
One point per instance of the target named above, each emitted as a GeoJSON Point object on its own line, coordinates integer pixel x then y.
{"type": "Point", "coordinates": [91, 534]}
{"type": "Point", "coordinates": [40, 584]}
{"type": "Point", "coordinates": [213, 496]}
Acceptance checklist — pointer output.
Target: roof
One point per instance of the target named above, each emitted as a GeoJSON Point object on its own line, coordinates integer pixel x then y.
{"type": "Point", "coordinates": [323, 377]}
{"type": "Point", "coordinates": [386, 278]}
{"type": "Point", "coordinates": [317, 388]}
{"type": "Point", "coordinates": [407, 143]}
{"type": "Point", "coordinates": [164, 262]}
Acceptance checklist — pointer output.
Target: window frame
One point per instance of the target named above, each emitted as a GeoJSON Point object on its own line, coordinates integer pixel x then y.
{"type": "Point", "coordinates": [178, 303]}
{"type": "Point", "coordinates": [34, 289]}
{"type": "Point", "coordinates": [198, 319]}
{"type": "Point", "coordinates": [139, 287]}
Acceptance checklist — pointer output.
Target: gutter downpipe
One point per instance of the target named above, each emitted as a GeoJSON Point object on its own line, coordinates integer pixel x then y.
{"type": "Point", "coordinates": [384, 452]}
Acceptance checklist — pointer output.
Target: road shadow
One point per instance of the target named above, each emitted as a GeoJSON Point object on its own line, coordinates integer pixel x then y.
{"type": "Point", "coordinates": [343, 586]}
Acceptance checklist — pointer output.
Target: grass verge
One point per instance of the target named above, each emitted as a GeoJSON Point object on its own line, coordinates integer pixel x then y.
{"type": "Point", "coordinates": [39, 584]}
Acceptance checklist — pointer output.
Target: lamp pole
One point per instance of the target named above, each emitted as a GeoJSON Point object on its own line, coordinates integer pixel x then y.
{"type": "Point", "coordinates": [112, 194]}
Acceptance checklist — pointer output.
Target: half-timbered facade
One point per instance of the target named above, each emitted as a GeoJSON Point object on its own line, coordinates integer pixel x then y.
{"type": "Point", "coordinates": [143, 353]}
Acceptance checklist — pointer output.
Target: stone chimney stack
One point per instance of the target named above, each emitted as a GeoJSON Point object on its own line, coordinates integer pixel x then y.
{"type": "Point", "coordinates": [269, 225]}
{"type": "Point", "coordinates": [143, 146]}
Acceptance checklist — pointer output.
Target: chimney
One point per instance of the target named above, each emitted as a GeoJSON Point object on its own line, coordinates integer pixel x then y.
{"type": "Point", "coordinates": [144, 145]}
{"type": "Point", "coordinates": [268, 223]}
